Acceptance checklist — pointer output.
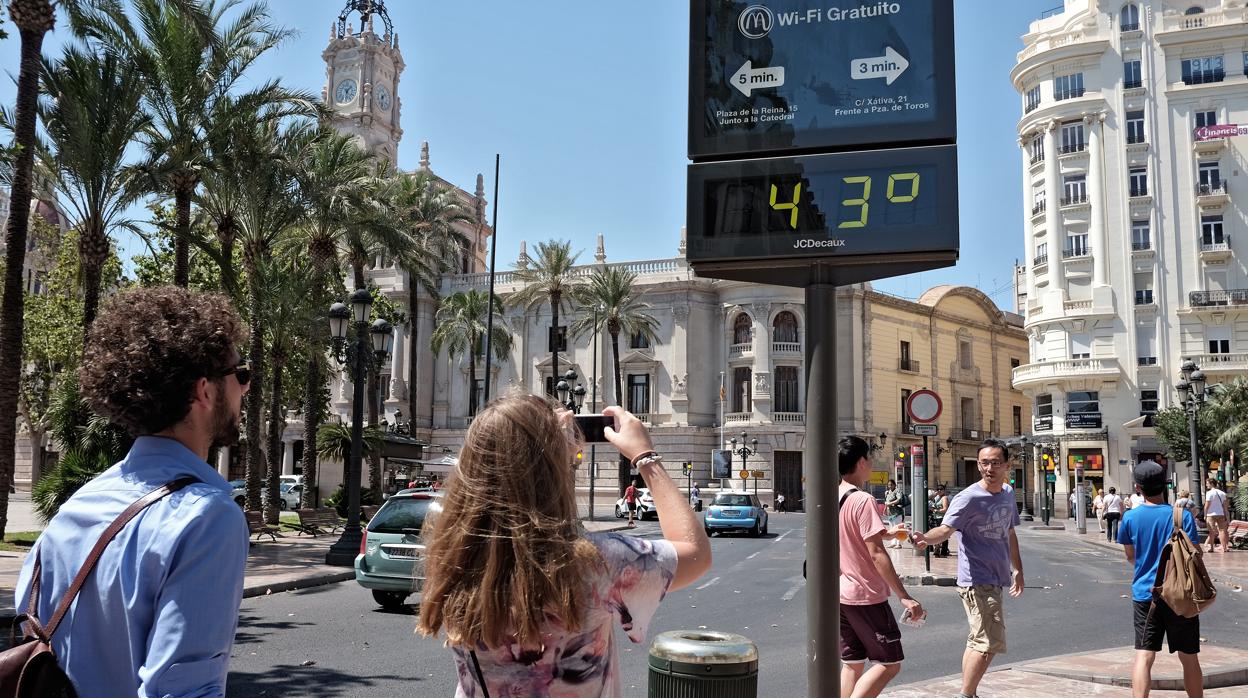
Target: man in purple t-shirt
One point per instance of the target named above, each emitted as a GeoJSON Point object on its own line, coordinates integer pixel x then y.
{"type": "Point", "coordinates": [983, 517]}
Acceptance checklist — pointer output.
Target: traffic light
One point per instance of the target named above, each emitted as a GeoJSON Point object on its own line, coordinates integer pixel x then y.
{"type": "Point", "coordinates": [901, 454]}
{"type": "Point", "coordinates": [580, 456]}
{"type": "Point", "coordinates": [1011, 481]}
{"type": "Point", "coordinates": [687, 467]}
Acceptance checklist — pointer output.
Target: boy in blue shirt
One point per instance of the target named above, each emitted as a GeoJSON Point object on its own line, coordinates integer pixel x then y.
{"type": "Point", "coordinates": [1145, 531]}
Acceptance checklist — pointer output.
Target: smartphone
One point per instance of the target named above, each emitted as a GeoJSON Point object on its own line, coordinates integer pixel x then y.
{"type": "Point", "coordinates": [593, 427]}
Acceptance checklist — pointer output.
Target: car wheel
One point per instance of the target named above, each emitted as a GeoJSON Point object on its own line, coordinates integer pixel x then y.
{"type": "Point", "coordinates": [754, 529]}
{"type": "Point", "coordinates": [240, 500]}
{"type": "Point", "coordinates": [618, 513]}
{"type": "Point", "coordinates": [281, 504]}
{"type": "Point", "coordinates": [768, 521]}
{"type": "Point", "coordinates": [390, 600]}
{"type": "Point", "coordinates": [710, 533]}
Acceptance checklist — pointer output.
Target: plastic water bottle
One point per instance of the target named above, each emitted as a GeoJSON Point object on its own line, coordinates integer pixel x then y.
{"type": "Point", "coordinates": [906, 619]}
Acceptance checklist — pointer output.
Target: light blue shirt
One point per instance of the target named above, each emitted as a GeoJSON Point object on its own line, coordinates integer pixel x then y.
{"type": "Point", "coordinates": [157, 616]}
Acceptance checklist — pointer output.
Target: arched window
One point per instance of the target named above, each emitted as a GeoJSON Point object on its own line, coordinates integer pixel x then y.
{"type": "Point", "coordinates": [784, 328]}
{"type": "Point", "coordinates": [639, 341]}
{"type": "Point", "coordinates": [742, 330]}
{"type": "Point", "coordinates": [1130, 18]}
{"type": "Point", "coordinates": [1194, 10]}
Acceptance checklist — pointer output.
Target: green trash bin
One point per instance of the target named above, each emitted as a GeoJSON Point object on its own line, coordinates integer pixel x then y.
{"type": "Point", "coordinates": [703, 664]}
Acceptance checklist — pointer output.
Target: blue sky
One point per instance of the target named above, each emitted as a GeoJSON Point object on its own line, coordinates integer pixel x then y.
{"type": "Point", "coordinates": [586, 102]}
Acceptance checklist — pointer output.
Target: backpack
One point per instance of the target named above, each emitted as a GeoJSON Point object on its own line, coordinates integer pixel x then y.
{"type": "Point", "coordinates": [28, 669]}
{"type": "Point", "coordinates": [1182, 581]}
{"type": "Point", "coordinates": [904, 501]}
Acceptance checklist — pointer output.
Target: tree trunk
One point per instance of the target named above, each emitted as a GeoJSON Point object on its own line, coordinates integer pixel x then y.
{"type": "Point", "coordinates": [472, 374]}
{"type": "Point", "coordinates": [311, 422]}
{"type": "Point", "coordinates": [226, 235]}
{"type": "Point", "coordinates": [255, 398]}
{"type": "Point", "coordinates": [93, 252]}
{"type": "Point", "coordinates": [277, 424]}
{"type": "Point", "coordinates": [625, 467]}
{"type": "Point", "coordinates": [182, 236]}
{"type": "Point", "coordinates": [11, 319]}
{"type": "Point", "coordinates": [372, 393]}
{"type": "Point", "coordinates": [554, 348]}
{"type": "Point", "coordinates": [413, 354]}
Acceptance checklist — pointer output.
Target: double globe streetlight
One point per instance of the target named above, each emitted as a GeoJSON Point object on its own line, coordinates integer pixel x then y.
{"type": "Point", "coordinates": [571, 397]}
{"type": "Point", "coordinates": [745, 452]}
{"type": "Point", "coordinates": [1192, 394]}
{"type": "Point", "coordinates": [356, 355]}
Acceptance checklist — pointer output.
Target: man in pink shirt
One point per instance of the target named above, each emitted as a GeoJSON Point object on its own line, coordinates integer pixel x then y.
{"type": "Point", "coordinates": [868, 629]}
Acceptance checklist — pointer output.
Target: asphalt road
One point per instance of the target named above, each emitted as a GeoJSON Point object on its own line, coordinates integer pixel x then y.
{"type": "Point", "coordinates": [334, 641]}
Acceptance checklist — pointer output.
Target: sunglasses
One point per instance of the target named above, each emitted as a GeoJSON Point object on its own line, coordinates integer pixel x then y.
{"type": "Point", "coordinates": [241, 372]}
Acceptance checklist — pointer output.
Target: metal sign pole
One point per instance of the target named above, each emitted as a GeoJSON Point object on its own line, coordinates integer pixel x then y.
{"type": "Point", "coordinates": [823, 659]}
{"type": "Point", "coordinates": [927, 550]}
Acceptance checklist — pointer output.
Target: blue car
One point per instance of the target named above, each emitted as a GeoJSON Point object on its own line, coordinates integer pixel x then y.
{"type": "Point", "coordinates": [736, 511]}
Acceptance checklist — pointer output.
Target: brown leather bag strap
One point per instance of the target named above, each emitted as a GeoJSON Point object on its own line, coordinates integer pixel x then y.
{"type": "Point", "coordinates": [1178, 518]}
{"type": "Point", "coordinates": [109, 533]}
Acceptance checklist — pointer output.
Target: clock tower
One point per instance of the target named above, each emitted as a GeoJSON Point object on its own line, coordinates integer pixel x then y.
{"type": "Point", "coordinates": [362, 70]}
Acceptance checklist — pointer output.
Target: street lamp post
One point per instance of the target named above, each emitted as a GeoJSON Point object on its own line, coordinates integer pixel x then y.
{"type": "Point", "coordinates": [745, 452]}
{"type": "Point", "coordinates": [1192, 394]}
{"type": "Point", "coordinates": [572, 396]}
{"type": "Point", "coordinates": [1026, 516]}
{"type": "Point", "coordinates": [356, 355]}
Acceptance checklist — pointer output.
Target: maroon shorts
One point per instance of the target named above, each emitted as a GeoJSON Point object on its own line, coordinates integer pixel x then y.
{"type": "Point", "coordinates": [870, 632]}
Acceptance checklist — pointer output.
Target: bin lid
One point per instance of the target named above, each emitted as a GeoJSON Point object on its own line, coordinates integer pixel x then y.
{"type": "Point", "coordinates": [703, 647]}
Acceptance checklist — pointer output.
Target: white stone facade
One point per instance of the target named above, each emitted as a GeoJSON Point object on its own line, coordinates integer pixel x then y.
{"type": "Point", "coordinates": [1134, 227]}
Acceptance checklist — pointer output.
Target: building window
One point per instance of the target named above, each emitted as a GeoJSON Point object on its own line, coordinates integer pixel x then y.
{"type": "Point", "coordinates": [1017, 415]}
{"type": "Point", "coordinates": [1246, 63]}
{"type": "Point", "coordinates": [1072, 137]}
{"type": "Point", "coordinates": [1139, 181]}
{"type": "Point", "coordinates": [1076, 188]}
{"type": "Point", "coordinates": [1129, 18]}
{"type": "Point", "coordinates": [1135, 127]}
{"type": "Point", "coordinates": [1211, 230]}
{"type": "Point", "coordinates": [1210, 178]}
{"type": "Point", "coordinates": [905, 414]}
{"type": "Point", "coordinates": [639, 393]}
{"type": "Point", "coordinates": [1141, 236]}
{"type": "Point", "coordinates": [1206, 118]}
{"type": "Point", "coordinates": [1068, 86]}
{"type": "Point", "coordinates": [965, 359]}
{"type": "Point", "coordinates": [1037, 149]}
{"type": "Point", "coordinates": [1131, 77]}
{"type": "Point", "coordinates": [784, 328]}
{"type": "Point", "coordinates": [1219, 339]}
{"type": "Point", "coordinates": [1144, 288]}
{"type": "Point", "coordinates": [742, 330]}
{"type": "Point", "coordinates": [1146, 345]}
{"type": "Point", "coordinates": [1015, 363]}
{"type": "Point", "coordinates": [1198, 71]}
{"type": "Point", "coordinates": [1033, 99]}
{"type": "Point", "coordinates": [1080, 345]}
{"type": "Point", "coordinates": [1083, 402]}
{"type": "Point", "coordinates": [1077, 245]}
{"type": "Point", "coordinates": [1044, 413]}
{"type": "Point", "coordinates": [786, 389]}
{"type": "Point", "coordinates": [1042, 254]}
{"type": "Point", "coordinates": [742, 388]}
{"type": "Point", "coordinates": [1148, 402]}
{"type": "Point", "coordinates": [905, 356]}
{"type": "Point", "coordinates": [639, 340]}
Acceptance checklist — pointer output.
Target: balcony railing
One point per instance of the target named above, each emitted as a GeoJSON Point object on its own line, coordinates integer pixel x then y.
{"type": "Point", "coordinates": [1146, 361]}
{"type": "Point", "coordinates": [1205, 299]}
{"type": "Point", "coordinates": [1129, 27]}
{"type": "Point", "coordinates": [1136, 138]}
{"type": "Point", "coordinates": [1073, 199]}
{"type": "Point", "coordinates": [786, 347]}
{"type": "Point", "coordinates": [1072, 148]}
{"type": "Point", "coordinates": [1037, 157]}
{"type": "Point", "coordinates": [1213, 189]}
{"type": "Point", "coordinates": [1141, 245]}
{"type": "Point", "coordinates": [788, 417]}
{"type": "Point", "coordinates": [908, 365]}
{"type": "Point", "coordinates": [1216, 247]}
{"type": "Point", "coordinates": [1067, 94]}
{"type": "Point", "coordinates": [1217, 363]}
{"type": "Point", "coordinates": [1038, 208]}
{"type": "Point", "coordinates": [1136, 191]}
{"type": "Point", "coordinates": [1132, 84]}
{"type": "Point", "coordinates": [737, 417]}
{"type": "Point", "coordinates": [737, 351]}
{"type": "Point", "coordinates": [1144, 297]}
{"type": "Point", "coordinates": [1074, 252]}
{"type": "Point", "coordinates": [1204, 78]}
{"type": "Point", "coordinates": [1047, 371]}
{"type": "Point", "coordinates": [1040, 260]}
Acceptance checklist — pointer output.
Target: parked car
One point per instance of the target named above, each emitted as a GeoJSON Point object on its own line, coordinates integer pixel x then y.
{"type": "Point", "coordinates": [290, 496]}
{"type": "Point", "coordinates": [291, 479]}
{"type": "Point", "coordinates": [391, 553]}
{"type": "Point", "coordinates": [645, 505]}
{"type": "Point", "coordinates": [736, 511]}
{"type": "Point", "coordinates": [238, 490]}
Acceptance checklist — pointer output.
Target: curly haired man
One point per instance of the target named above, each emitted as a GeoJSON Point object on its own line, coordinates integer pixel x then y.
{"type": "Point", "coordinates": [157, 616]}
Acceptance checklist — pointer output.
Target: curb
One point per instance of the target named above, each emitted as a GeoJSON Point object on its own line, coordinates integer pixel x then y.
{"type": "Point", "coordinates": [927, 580]}
{"type": "Point", "coordinates": [301, 583]}
{"type": "Point", "coordinates": [1217, 575]}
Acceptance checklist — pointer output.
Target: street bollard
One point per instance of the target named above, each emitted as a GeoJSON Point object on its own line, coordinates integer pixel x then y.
{"type": "Point", "coordinates": [703, 664]}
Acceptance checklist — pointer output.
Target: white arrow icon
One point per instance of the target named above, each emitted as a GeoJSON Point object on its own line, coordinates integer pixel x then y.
{"type": "Point", "coordinates": [890, 66]}
{"type": "Point", "coordinates": [748, 79]}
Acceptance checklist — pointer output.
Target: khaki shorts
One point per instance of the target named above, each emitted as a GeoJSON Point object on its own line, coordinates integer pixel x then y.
{"type": "Point", "coordinates": [986, 618]}
{"type": "Point", "coordinates": [1216, 521]}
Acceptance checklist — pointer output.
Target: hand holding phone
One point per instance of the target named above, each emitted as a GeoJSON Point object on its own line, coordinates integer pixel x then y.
{"type": "Point", "coordinates": [593, 427]}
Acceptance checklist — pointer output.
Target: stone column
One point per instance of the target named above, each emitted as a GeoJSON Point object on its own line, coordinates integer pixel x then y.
{"type": "Point", "coordinates": [761, 373]}
{"type": "Point", "coordinates": [223, 461]}
{"type": "Point", "coordinates": [1096, 199]}
{"type": "Point", "coordinates": [288, 458]}
{"type": "Point", "coordinates": [1053, 198]}
{"type": "Point", "coordinates": [398, 367]}
{"type": "Point", "coordinates": [1029, 247]}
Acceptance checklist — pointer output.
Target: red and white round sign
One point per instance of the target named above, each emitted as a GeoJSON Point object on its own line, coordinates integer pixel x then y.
{"type": "Point", "coordinates": [924, 406]}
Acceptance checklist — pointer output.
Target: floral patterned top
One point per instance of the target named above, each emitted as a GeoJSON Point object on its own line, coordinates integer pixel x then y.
{"type": "Point", "coordinates": [585, 664]}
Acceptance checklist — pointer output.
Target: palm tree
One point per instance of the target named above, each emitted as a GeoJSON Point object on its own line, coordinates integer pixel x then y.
{"type": "Point", "coordinates": [613, 292]}
{"type": "Point", "coordinates": [460, 326]}
{"type": "Point", "coordinates": [551, 278]}
{"type": "Point", "coordinates": [90, 118]}
{"type": "Point", "coordinates": [33, 19]}
{"type": "Point", "coordinates": [1228, 407]}
{"type": "Point", "coordinates": [190, 59]}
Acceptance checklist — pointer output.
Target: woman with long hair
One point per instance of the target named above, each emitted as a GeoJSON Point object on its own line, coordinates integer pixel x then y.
{"type": "Point", "coordinates": [528, 600]}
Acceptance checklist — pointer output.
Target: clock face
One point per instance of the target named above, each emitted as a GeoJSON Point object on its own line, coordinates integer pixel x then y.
{"type": "Point", "coordinates": [383, 98]}
{"type": "Point", "coordinates": [345, 92]}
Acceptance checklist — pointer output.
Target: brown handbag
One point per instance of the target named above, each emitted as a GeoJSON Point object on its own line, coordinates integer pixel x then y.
{"type": "Point", "coordinates": [28, 669]}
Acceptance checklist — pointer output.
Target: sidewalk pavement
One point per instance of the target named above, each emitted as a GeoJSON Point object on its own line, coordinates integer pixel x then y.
{"type": "Point", "coordinates": [291, 562]}
{"type": "Point", "coordinates": [912, 569]}
{"type": "Point", "coordinates": [1100, 673]}
{"type": "Point", "coordinates": [1230, 568]}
